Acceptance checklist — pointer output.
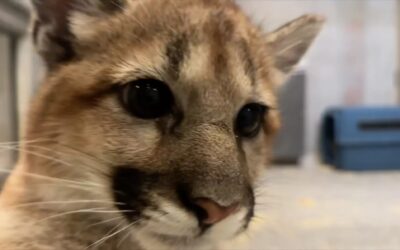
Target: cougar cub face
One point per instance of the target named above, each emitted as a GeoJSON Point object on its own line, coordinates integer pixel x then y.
{"type": "Point", "coordinates": [169, 105]}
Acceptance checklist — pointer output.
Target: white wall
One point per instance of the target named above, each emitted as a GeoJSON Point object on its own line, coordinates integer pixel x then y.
{"type": "Point", "coordinates": [381, 48]}
{"type": "Point", "coordinates": [352, 62]}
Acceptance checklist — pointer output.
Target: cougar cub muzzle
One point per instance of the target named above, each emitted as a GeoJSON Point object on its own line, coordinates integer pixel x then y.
{"type": "Point", "coordinates": [207, 180]}
{"type": "Point", "coordinates": [200, 196]}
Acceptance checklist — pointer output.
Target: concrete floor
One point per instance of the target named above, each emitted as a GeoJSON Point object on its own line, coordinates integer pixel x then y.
{"type": "Point", "coordinates": [323, 209]}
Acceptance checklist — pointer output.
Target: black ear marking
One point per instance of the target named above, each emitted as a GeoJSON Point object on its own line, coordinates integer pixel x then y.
{"type": "Point", "coordinates": [52, 33]}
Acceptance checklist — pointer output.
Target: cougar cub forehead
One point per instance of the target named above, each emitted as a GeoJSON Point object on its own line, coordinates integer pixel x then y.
{"type": "Point", "coordinates": [206, 51]}
{"type": "Point", "coordinates": [213, 60]}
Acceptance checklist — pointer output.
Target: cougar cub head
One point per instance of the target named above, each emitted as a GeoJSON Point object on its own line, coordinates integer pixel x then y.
{"type": "Point", "coordinates": [168, 105]}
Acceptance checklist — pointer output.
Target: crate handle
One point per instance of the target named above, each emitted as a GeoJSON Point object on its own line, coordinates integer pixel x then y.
{"type": "Point", "coordinates": [379, 125]}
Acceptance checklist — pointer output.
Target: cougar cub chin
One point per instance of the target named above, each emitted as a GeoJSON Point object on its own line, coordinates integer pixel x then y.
{"type": "Point", "coordinates": [152, 126]}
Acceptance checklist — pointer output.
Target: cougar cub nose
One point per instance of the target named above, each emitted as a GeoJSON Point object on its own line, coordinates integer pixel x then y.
{"type": "Point", "coordinates": [209, 212]}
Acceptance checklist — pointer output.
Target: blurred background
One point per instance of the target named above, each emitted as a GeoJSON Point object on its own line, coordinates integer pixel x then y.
{"type": "Point", "coordinates": [341, 120]}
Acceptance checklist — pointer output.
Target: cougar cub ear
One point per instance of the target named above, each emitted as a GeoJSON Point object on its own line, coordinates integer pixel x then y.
{"type": "Point", "coordinates": [53, 34]}
{"type": "Point", "coordinates": [290, 42]}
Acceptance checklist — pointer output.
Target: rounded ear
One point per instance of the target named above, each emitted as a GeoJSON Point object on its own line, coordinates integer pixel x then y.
{"type": "Point", "coordinates": [290, 42]}
{"type": "Point", "coordinates": [52, 32]}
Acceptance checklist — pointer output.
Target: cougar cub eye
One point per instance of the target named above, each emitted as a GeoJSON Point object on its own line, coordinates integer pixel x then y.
{"type": "Point", "coordinates": [147, 98]}
{"type": "Point", "coordinates": [249, 120]}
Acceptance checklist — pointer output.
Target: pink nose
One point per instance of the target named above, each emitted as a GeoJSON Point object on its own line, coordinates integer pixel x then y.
{"type": "Point", "coordinates": [214, 212]}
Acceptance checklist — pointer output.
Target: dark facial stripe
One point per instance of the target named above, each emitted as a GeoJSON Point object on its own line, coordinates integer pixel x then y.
{"type": "Point", "coordinates": [250, 213]}
{"type": "Point", "coordinates": [220, 30]}
{"type": "Point", "coordinates": [176, 51]}
{"type": "Point", "coordinates": [248, 61]}
{"type": "Point", "coordinates": [226, 27]}
{"type": "Point", "coordinates": [130, 187]}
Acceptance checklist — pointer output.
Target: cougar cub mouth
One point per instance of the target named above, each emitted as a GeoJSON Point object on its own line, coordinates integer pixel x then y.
{"type": "Point", "coordinates": [154, 124]}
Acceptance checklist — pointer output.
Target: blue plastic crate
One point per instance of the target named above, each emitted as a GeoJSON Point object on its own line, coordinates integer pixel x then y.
{"type": "Point", "coordinates": [361, 138]}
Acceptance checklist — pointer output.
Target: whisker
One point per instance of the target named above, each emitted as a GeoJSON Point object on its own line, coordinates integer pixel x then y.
{"type": "Point", "coordinates": [99, 242]}
{"type": "Point", "coordinates": [53, 160]}
{"type": "Point", "coordinates": [85, 154]}
{"type": "Point", "coordinates": [90, 167]}
{"type": "Point", "coordinates": [85, 186]}
{"type": "Point", "coordinates": [112, 235]}
{"type": "Point", "coordinates": [117, 4]}
{"type": "Point", "coordinates": [90, 210]}
{"type": "Point", "coordinates": [136, 20]}
{"type": "Point", "coordinates": [146, 10]}
{"type": "Point", "coordinates": [65, 202]}
{"type": "Point", "coordinates": [71, 148]}
{"type": "Point", "coordinates": [125, 237]}
{"type": "Point", "coordinates": [64, 185]}
{"type": "Point", "coordinates": [23, 142]}
{"type": "Point", "coordinates": [18, 149]}
{"type": "Point", "coordinates": [32, 144]}
{"type": "Point", "coordinates": [54, 179]}
{"type": "Point", "coordinates": [103, 222]}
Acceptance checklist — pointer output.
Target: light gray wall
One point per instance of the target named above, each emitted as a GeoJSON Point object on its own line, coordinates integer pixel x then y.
{"type": "Point", "coordinates": [352, 62]}
{"type": "Point", "coordinates": [14, 19]}
{"type": "Point", "coordinates": [7, 120]}
{"type": "Point", "coordinates": [30, 72]}
{"type": "Point", "coordinates": [398, 51]}
{"type": "Point", "coordinates": [29, 68]}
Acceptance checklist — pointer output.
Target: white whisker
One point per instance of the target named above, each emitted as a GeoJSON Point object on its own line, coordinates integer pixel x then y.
{"type": "Point", "coordinates": [90, 210]}
{"type": "Point", "coordinates": [117, 4]}
{"type": "Point", "coordinates": [65, 202]}
{"type": "Point", "coordinates": [112, 235]}
{"type": "Point", "coordinates": [99, 242]}
{"type": "Point", "coordinates": [104, 222]}
{"type": "Point", "coordinates": [18, 149]}
{"type": "Point", "coordinates": [74, 155]}
{"type": "Point", "coordinates": [23, 142]}
{"type": "Point", "coordinates": [145, 10]}
{"type": "Point", "coordinates": [53, 179]}
{"type": "Point", "coordinates": [124, 238]}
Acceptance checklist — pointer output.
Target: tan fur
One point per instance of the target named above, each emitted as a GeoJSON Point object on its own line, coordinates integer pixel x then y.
{"type": "Point", "coordinates": [81, 131]}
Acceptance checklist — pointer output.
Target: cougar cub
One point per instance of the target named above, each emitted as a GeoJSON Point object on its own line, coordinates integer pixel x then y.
{"type": "Point", "coordinates": [152, 126]}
